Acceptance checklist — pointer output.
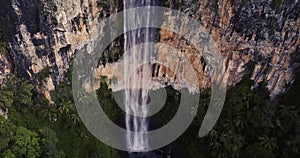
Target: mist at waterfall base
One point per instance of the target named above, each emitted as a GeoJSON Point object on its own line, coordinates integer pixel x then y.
{"type": "Point", "coordinates": [156, 121]}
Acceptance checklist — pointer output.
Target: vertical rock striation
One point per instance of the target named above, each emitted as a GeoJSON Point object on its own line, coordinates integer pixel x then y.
{"type": "Point", "coordinates": [266, 32]}
{"type": "Point", "coordinates": [46, 33]}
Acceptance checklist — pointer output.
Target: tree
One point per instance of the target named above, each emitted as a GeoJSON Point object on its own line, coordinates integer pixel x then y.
{"type": "Point", "coordinates": [242, 121]}
{"type": "Point", "coordinates": [23, 95]}
{"type": "Point", "coordinates": [251, 125]}
{"type": "Point", "coordinates": [6, 97]}
{"type": "Point", "coordinates": [26, 143]}
{"type": "Point", "coordinates": [48, 143]}
{"type": "Point", "coordinates": [109, 105]}
{"type": "Point", "coordinates": [7, 131]}
{"type": "Point", "coordinates": [66, 107]}
{"type": "Point", "coordinates": [8, 154]}
{"type": "Point", "coordinates": [75, 119]}
{"type": "Point", "coordinates": [50, 113]}
{"type": "Point", "coordinates": [62, 93]}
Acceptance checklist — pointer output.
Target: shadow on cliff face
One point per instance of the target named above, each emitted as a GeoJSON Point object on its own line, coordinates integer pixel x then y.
{"type": "Point", "coordinates": [263, 18]}
{"type": "Point", "coordinates": [36, 19]}
{"type": "Point", "coordinates": [292, 96]}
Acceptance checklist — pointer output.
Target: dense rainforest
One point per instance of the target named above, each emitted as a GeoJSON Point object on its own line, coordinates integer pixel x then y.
{"type": "Point", "coordinates": [252, 123]}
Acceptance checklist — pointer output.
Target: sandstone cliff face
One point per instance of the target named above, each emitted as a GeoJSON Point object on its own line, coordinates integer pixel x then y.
{"type": "Point", "coordinates": [266, 32]}
{"type": "Point", "coordinates": [46, 33]}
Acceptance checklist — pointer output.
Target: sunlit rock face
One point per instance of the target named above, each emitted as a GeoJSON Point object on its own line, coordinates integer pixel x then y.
{"type": "Point", "coordinates": [47, 33]}
{"type": "Point", "coordinates": [266, 32]}
{"type": "Point", "coordinates": [4, 69]}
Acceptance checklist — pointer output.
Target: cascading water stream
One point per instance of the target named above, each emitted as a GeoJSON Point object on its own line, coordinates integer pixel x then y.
{"type": "Point", "coordinates": [138, 76]}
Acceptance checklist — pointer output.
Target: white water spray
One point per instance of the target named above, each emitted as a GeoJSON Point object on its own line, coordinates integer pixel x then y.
{"type": "Point", "coordinates": [138, 76]}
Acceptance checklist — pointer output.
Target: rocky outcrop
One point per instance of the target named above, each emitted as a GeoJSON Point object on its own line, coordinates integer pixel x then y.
{"type": "Point", "coordinates": [46, 33]}
{"type": "Point", "coordinates": [5, 69]}
{"type": "Point", "coordinates": [266, 32]}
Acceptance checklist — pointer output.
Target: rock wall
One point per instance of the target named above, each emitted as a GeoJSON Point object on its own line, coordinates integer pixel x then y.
{"type": "Point", "coordinates": [266, 32]}
{"type": "Point", "coordinates": [46, 33]}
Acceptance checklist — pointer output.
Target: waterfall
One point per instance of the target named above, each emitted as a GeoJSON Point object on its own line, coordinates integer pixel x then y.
{"type": "Point", "coordinates": [138, 76]}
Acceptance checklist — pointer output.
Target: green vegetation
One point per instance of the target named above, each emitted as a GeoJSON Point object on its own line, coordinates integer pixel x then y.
{"type": "Point", "coordinates": [277, 3]}
{"type": "Point", "coordinates": [6, 97]}
{"type": "Point", "coordinates": [18, 142]}
{"type": "Point", "coordinates": [26, 143]}
{"type": "Point", "coordinates": [250, 125]}
{"type": "Point", "coordinates": [36, 129]}
{"type": "Point", "coordinates": [23, 94]}
{"type": "Point", "coordinates": [49, 143]}
{"type": "Point", "coordinates": [3, 44]}
{"type": "Point", "coordinates": [6, 133]}
{"type": "Point", "coordinates": [170, 108]}
{"type": "Point", "coordinates": [108, 104]}
{"type": "Point", "coordinates": [43, 74]}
